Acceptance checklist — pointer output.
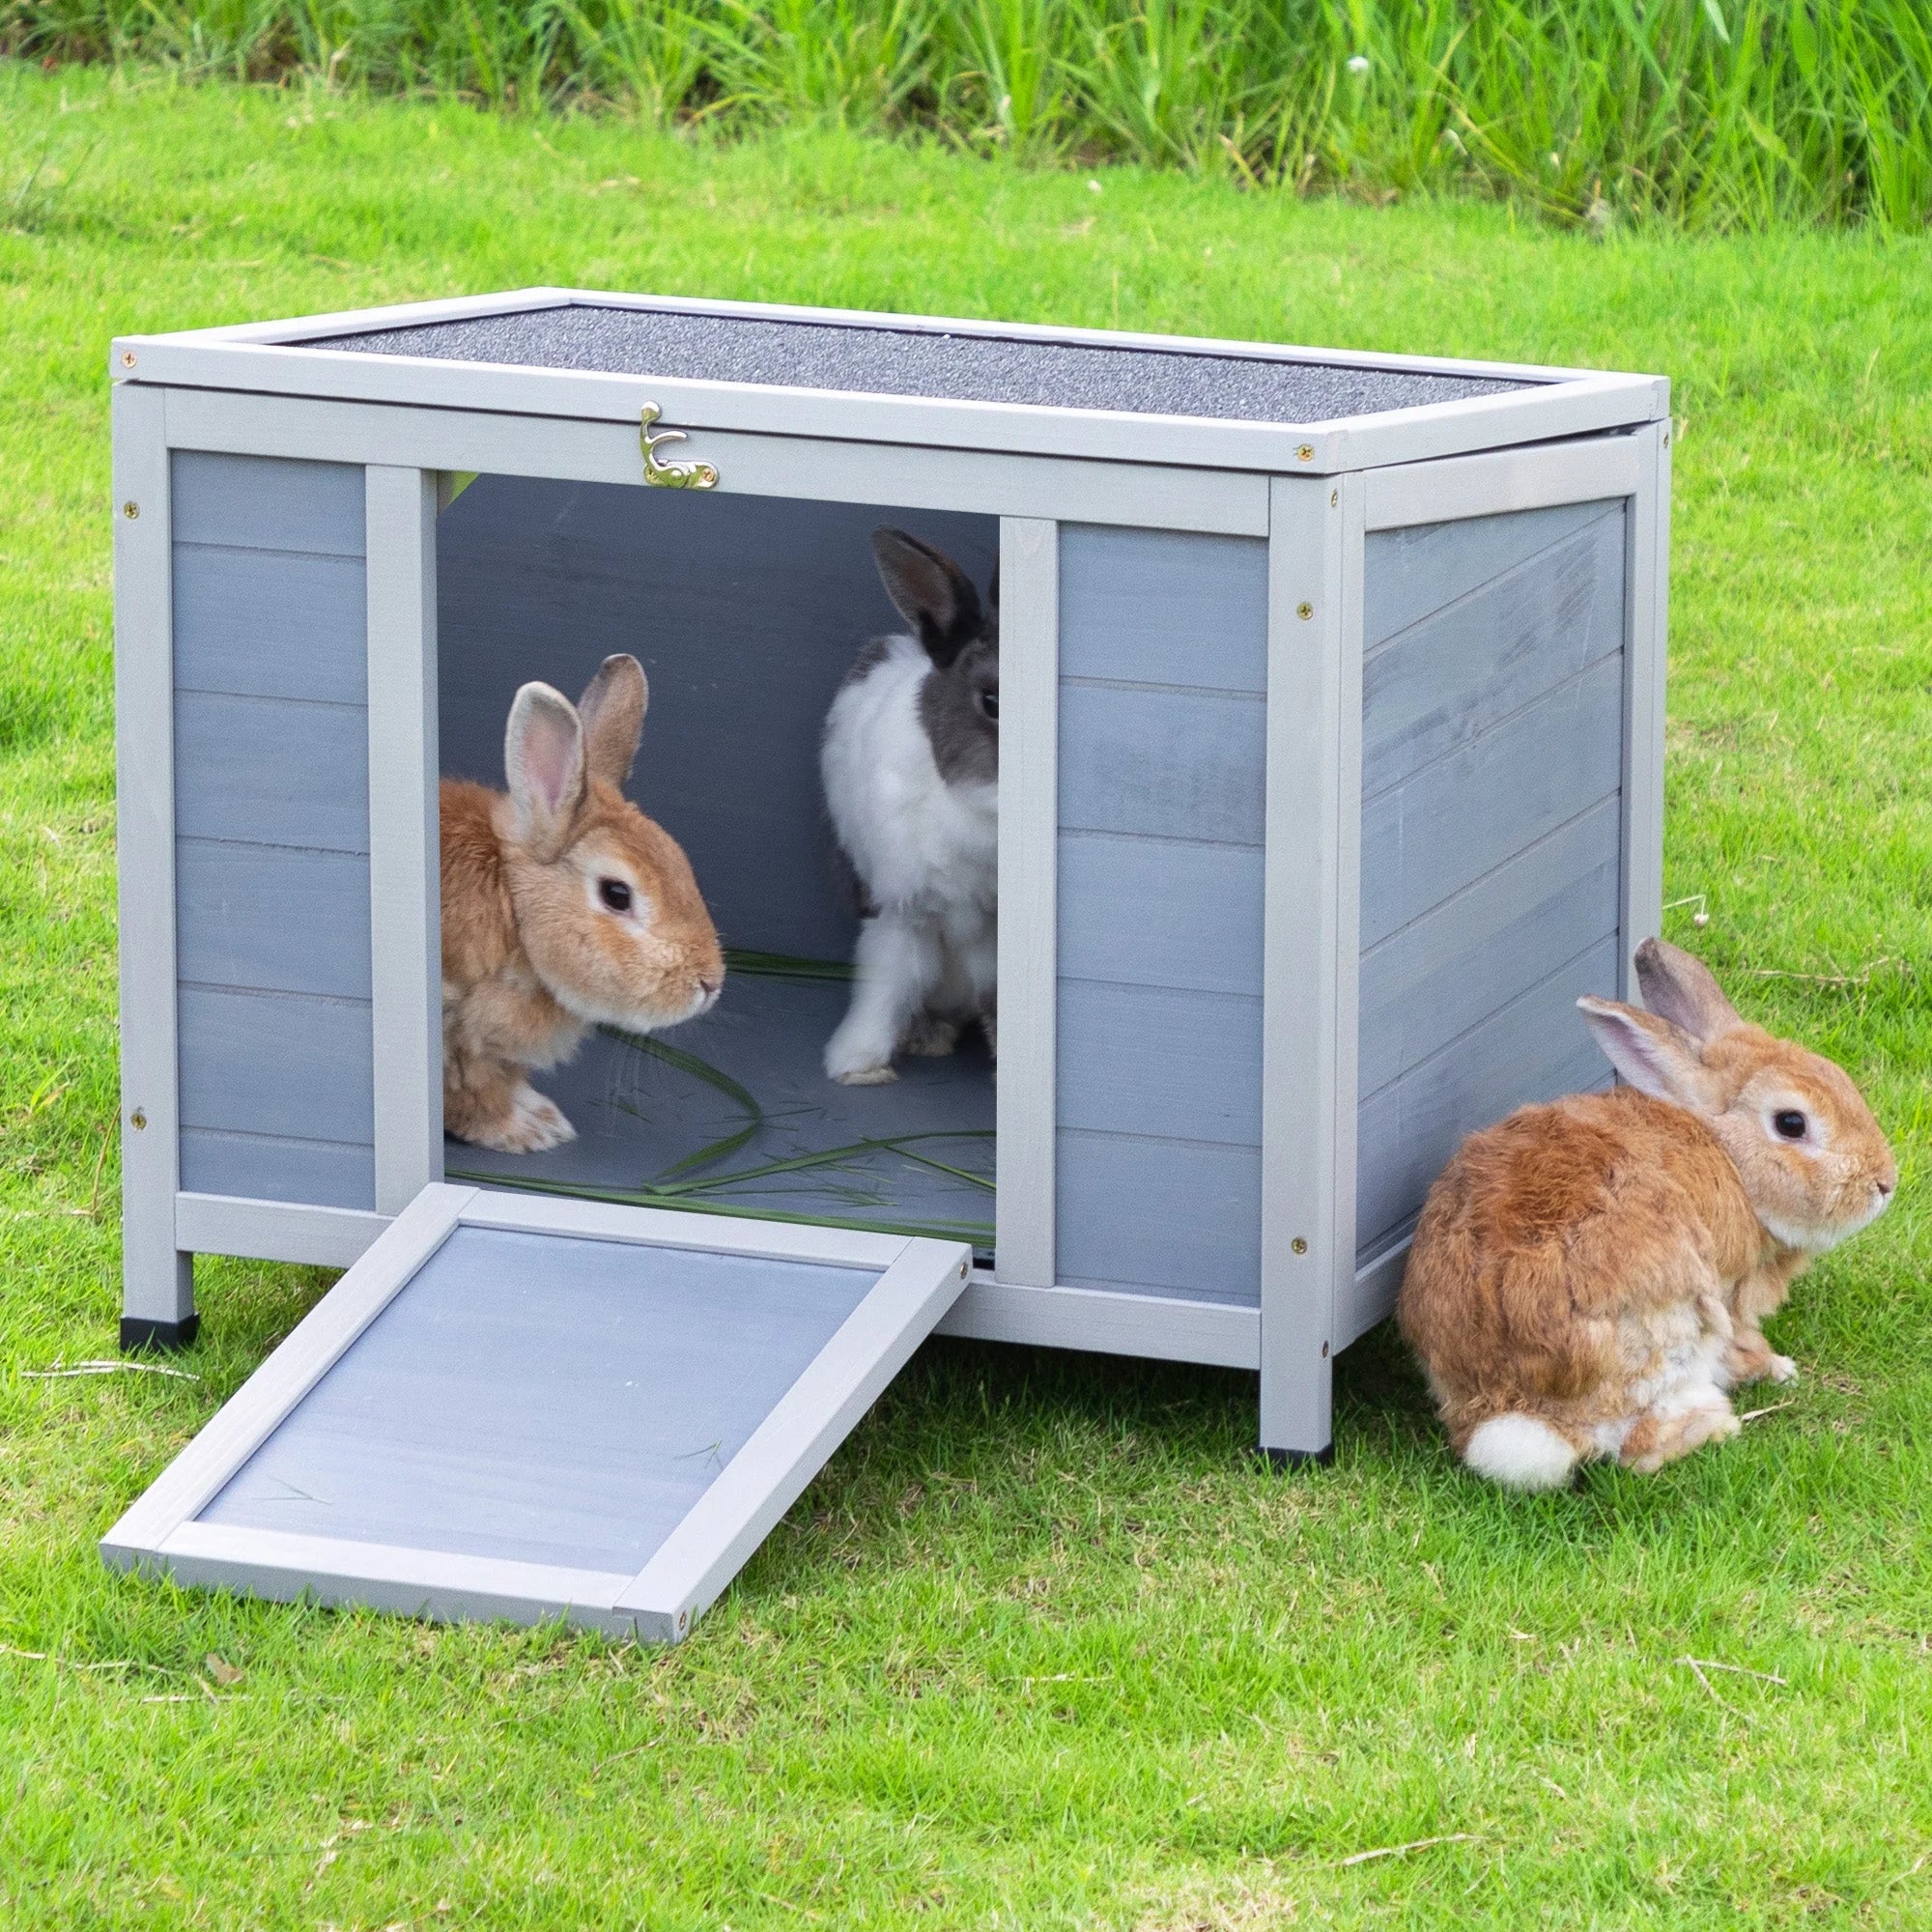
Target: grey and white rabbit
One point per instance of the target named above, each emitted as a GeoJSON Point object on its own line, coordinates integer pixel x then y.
{"type": "Point", "coordinates": [911, 764]}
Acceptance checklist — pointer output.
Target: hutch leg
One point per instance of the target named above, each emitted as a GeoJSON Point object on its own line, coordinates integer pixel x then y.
{"type": "Point", "coordinates": [157, 1279]}
{"type": "Point", "coordinates": [1311, 929]}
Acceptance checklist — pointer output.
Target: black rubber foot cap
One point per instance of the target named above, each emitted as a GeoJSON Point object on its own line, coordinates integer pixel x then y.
{"type": "Point", "coordinates": [1297, 1459]}
{"type": "Point", "coordinates": [140, 1336]}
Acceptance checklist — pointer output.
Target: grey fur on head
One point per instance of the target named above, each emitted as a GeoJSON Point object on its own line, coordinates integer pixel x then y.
{"type": "Point", "coordinates": [959, 702]}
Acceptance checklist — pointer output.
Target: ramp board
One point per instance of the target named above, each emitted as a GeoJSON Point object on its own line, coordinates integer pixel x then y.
{"type": "Point", "coordinates": [522, 1408]}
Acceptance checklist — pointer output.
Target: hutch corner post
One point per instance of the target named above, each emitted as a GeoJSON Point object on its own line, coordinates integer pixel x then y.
{"type": "Point", "coordinates": [1330, 777]}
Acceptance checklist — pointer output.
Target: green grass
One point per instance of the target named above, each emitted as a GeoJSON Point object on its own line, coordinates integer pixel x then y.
{"type": "Point", "coordinates": [1039, 1649]}
{"type": "Point", "coordinates": [1713, 113]}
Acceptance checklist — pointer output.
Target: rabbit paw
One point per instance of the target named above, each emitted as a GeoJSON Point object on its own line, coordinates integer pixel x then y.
{"type": "Point", "coordinates": [1782, 1368]}
{"type": "Point", "coordinates": [534, 1125]}
{"type": "Point", "coordinates": [855, 1061]}
{"type": "Point", "coordinates": [931, 1038]}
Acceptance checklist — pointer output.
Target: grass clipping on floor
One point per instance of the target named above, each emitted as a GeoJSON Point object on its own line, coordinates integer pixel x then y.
{"type": "Point", "coordinates": [1041, 1647]}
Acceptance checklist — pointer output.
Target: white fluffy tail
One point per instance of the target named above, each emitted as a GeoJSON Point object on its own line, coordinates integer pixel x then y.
{"type": "Point", "coordinates": [1520, 1453]}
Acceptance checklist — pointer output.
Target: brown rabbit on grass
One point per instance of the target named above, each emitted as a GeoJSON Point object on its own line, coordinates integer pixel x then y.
{"type": "Point", "coordinates": [563, 906]}
{"type": "Point", "coordinates": [1589, 1278]}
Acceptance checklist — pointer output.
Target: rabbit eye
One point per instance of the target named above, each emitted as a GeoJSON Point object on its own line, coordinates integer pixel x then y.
{"type": "Point", "coordinates": [989, 703]}
{"type": "Point", "coordinates": [615, 893]}
{"type": "Point", "coordinates": [1789, 1123]}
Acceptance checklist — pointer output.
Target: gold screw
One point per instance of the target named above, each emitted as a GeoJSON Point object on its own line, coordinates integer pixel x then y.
{"type": "Point", "coordinates": [130, 510]}
{"type": "Point", "coordinates": [1334, 498]}
{"type": "Point", "coordinates": [1304, 611]}
{"type": "Point", "coordinates": [1306, 452]}
{"type": "Point", "coordinates": [139, 1119]}
{"type": "Point", "coordinates": [127, 358]}
{"type": "Point", "coordinates": [1299, 1246]}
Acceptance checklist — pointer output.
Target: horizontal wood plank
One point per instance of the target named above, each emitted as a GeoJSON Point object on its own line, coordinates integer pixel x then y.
{"type": "Point", "coordinates": [270, 624]}
{"type": "Point", "coordinates": [272, 771]}
{"type": "Point", "coordinates": [280, 1064]}
{"type": "Point", "coordinates": [1154, 912]}
{"type": "Point", "coordinates": [273, 917]}
{"type": "Point", "coordinates": [267, 1166]}
{"type": "Point", "coordinates": [1153, 1060]}
{"type": "Point", "coordinates": [1177, 764]}
{"type": "Point", "coordinates": [267, 502]}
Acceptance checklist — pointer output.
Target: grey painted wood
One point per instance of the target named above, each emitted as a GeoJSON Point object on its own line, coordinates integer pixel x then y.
{"type": "Point", "coordinates": [1176, 764]}
{"type": "Point", "coordinates": [1029, 898]}
{"type": "Point", "coordinates": [157, 1278]}
{"type": "Point", "coordinates": [746, 614]}
{"type": "Point", "coordinates": [276, 1230]}
{"type": "Point", "coordinates": [1535, 1048]}
{"type": "Point", "coordinates": [1160, 962]}
{"type": "Point", "coordinates": [250, 1416]}
{"type": "Point", "coordinates": [1156, 1328]}
{"type": "Point", "coordinates": [639, 1116]}
{"type": "Point", "coordinates": [272, 916]}
{"type": "Point", "coordinates": [267, 1166]}
{"type": "Point", "coordinates": [1152, 1061]}
{"type": "Point", "coordinates": [1196, 919]}
{"type": "Point", "coordinates": [1497, 482]}
{"type": "Point", "coordinates": [272, 771]}
{"type": "Point", "coordinates": [269, 623]}
{"type": "Point", "coordinates": [1163, 608]}
{"type": "Point", "coordinates": [1647, 604]}
{"type": "Point", "coordinates": [599, 444]}
{"type": "Point", "coordinates": [276, 1064]}
{"type": "Point", "coordinates": [1476, 952]}
{"type": "Point", "coordinates": [1409, 573]}
{"type": "Point", "coordinates": [264, 502]}
{"type": "Point", "coordinates": [1448, 678]}
{"type": "Point", "coordinates": [1311, 948]}
{"type": "Point", "coordinates": [542, 1399]}
{"type": "Point", "coordinates": [1558, 404]}
{"type": "Point", "coordinates": [1464, 815]}
{"type": "Point", "coordinates": [1162, 1217]}
{"type": "Point", "coordinates": [404, 876]}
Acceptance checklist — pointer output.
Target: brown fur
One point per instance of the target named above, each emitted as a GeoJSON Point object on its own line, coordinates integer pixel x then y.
{"type": "Point", "coordinates": [531, 957]}
{"type": "Point", "coordinates": [1572, 1260]}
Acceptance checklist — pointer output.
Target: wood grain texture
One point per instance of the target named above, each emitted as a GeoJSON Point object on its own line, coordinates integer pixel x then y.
{"type": "Point", "coordinates": [1196, 918]}
{"type": "Point", "coordinates": [271, 771]}
{"type": "Point", "coordinates": [1476, 952]}
{"type": "Point", "coordinates": [1409, 573]}
{"type": "Point", "coordinates": [1154, 1060]}
{"type": "Point", "coordinates": [1162, 1217]}
{"type": "Point", "coordinates": [274, 918]}
{"type": "Point", "coordinates": [280, 1064]}
{"type": "Point", "coordinates": [1449, 679]}
{"type": "Point", "coordinates": [268, 1167]}
{"type": "Point", "coordinates": [267, 502]}
{"type": "Point", "coordinates": [1535, 1048]}
{"type": "Point", "coordinates": [1160, 943]}
{"type": "Point", "coordinates": [1151, 759]}
{"type": "Point", "coordinates": [542, 1399]}
{"type": "Point", "coordinates": [1464, 814]}
{"type": "Point", "coordinates": [1159, 607]}
{"type": "Point", "coordinates": [269, 624]}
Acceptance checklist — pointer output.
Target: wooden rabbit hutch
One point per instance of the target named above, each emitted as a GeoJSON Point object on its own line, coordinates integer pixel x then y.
{"type": "Point", "coordinates": [1330, 777]}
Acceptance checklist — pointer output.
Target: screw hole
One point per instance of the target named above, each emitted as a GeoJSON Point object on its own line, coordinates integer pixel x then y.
{"type": "Point", "coordinates": [139, 1119]}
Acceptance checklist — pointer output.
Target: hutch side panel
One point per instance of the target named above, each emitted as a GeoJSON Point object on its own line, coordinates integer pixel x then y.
{"type": "Point", "coordinates": [272, 822]}
{"type": "Point", "coordinates": [1163, 649]}
{"type": "Point", "coordinates": [1493, 720]}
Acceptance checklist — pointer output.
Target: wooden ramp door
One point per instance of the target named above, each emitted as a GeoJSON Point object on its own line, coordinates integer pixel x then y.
{"type": "Point", "coordinates": [523, 1407]}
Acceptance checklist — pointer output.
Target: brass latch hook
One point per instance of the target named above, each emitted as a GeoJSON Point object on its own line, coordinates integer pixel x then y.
{"type": "Point", "coordinates": [670, 475]}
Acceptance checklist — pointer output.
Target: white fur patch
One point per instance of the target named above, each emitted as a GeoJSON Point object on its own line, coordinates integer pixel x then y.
{"type": "Point", "coordinates": [1520, 1453]}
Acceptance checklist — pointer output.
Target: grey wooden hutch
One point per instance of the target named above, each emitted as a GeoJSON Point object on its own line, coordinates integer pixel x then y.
{"type": "Point", "coordinates": [1331, 776]}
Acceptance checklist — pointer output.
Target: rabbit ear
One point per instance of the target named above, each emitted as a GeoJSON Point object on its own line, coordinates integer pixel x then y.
{"type": "Point", "coordinates": [612, 710]}
{"type": "Point", "coordinates": [933, 594]}
{"type": "Point", "coordinates": [1649, 1053]}
{"type": "Point", "coordinates": [1680, 986]}
{"type": "Point", "coordinates": [543, 757]}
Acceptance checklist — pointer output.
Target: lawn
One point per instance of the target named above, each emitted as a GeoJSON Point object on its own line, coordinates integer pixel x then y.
{"type": "Point", "coordinates": [1039, 1648]}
